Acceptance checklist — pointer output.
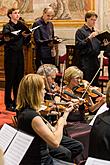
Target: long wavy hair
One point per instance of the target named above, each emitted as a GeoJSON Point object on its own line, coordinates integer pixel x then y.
{"type": "Point", "coordinates": [30, 92]}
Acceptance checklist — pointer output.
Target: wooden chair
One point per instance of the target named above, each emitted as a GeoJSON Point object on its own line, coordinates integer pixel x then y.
{"type": "Point", "coordinates": [103, 78]}
{"type": "Point", "coordinates": [68, 57]}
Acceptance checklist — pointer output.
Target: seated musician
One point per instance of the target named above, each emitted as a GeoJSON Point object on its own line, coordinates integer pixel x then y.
{"type": "Point", "coordinates": [49, 72]}
{"type": "Point", "coordinates": [73, 79]}
{"type": "Point", "coordinates": [29, 99]}
{"type": "Point", "coordinates": [53, 90]}
{"type": "Point", "coordinates": [99, 143]}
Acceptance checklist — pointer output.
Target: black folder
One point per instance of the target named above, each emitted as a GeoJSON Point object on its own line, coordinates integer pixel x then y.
{"type": "Point", "coordinates": [104, 35]}
{"type": "Point", "coordinates": [26, 29]}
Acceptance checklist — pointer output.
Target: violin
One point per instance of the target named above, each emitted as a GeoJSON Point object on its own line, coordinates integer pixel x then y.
{"type": "Point", "coordinates": [51, 107]}
{"type": "Point", "coordinates": [50, 113]}
{"type": "Point", "coordinates": [91, 91]}
{"type": "Point", "coordinates": [55, 94]}
{"type": "Point", "coordinates": [77, 96]}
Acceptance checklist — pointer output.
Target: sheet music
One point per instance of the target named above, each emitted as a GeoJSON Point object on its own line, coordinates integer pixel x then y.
{"type": "Point", "coordinates": [102, 109]}
{"type": "Point", "coordinates": [7, 133]}
{"type": "Point", "coordinates": [16, 32]}
{"type": "Point", "coordinates": [94, 161]}
{"type": "Point", "coordinates": [14, 144]}
{"type": "Point", "coordinates": [17, 149]}
{"type": "Point", "coordinates": [35, 28]}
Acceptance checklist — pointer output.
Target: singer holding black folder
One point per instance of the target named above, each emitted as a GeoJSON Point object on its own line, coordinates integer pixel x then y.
{"type": "Point", "coordinates": [13, 56]}
{"type": "Point", "coordinates": [44, 37]}
{"type": "Point", "coordinates": [88, 48]}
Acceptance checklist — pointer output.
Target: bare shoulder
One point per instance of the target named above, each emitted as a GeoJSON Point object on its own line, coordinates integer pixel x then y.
{"type": "Point", "coordinates": [38, 123]}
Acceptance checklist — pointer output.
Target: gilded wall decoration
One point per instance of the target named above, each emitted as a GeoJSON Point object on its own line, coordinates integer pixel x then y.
{"type": "Point", "coordinates": [65, 10]}
{"type": "Point", "coordinates": [23, 5]}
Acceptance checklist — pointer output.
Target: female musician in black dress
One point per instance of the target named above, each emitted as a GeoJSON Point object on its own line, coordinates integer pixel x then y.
{"type": "Point", "coordinates": [30, 97]}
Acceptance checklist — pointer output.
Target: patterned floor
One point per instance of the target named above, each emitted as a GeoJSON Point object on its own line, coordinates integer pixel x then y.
{"type": "Point", "coordinates": [2, 106]}
{"type": "Point", "coordinates": [5, 116]}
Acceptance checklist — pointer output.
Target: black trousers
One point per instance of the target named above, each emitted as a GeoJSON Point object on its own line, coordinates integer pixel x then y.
{"type": "Point", "coordinates": [68, 149]}
{"type": "Point", "coordinates": [44, 56]}
{"type": "Point", "coordinates": [109, 67]}
{"type": "Point", "coordinates": [90, 66]}
{"type": "Point", "coordinates": [14, 71]}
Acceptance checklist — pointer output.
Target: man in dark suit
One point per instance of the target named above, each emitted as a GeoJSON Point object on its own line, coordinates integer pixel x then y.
{"type": "Point", "coordinates": [88, 48]}
{"type": "Point", "coordinates": [43, 37]}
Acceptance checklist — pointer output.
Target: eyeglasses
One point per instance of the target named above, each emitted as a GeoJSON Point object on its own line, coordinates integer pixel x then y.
{"type": "Point", "coordinates": [77, 78]}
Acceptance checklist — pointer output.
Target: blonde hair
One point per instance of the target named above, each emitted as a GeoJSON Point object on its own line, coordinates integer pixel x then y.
{"type": "Point", "coordinates": [108, 94]}
{"type": "Point", "coordinates": [71, 72]}
{"type": "Point", "coordinates": [29, 92]}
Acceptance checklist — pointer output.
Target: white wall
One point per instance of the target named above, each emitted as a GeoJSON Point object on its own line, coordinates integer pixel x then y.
{"type": "Point", "coordinates": [66, 33]}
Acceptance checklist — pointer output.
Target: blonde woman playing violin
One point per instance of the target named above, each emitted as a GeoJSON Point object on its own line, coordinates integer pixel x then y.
{"type": "Point", "coordinates": [73, 78]}
{"type": "Point", "coordinates": [30, 96]}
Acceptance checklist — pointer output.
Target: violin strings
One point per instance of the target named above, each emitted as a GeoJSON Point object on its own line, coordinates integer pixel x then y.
{"type": "Point", "coordinates": [48, 84]}
{"type": "Point", "coordinates": [63, 71]}
{"type": "Point", "coordinates": [90, 83]}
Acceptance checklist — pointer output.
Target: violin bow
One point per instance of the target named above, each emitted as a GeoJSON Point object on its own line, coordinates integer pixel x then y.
{"type": "Point", "coordinates": [49, 88]}
{"type": "Point", "coordinates": [90, 83]}
{"type": "Point", "coordinates": [47, 82]}
{"type": "Point", "coordinates": [63, 72]}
